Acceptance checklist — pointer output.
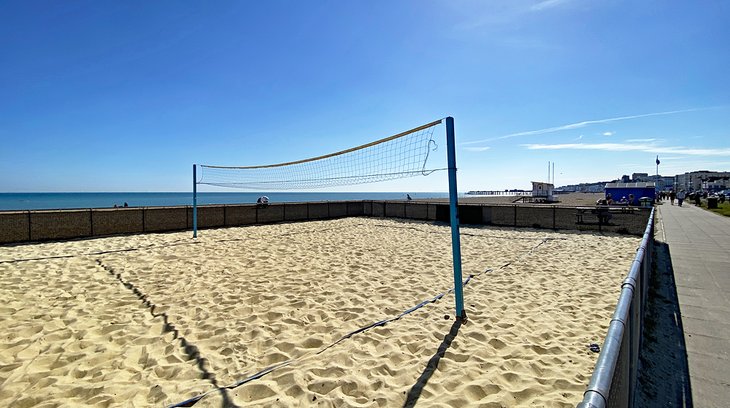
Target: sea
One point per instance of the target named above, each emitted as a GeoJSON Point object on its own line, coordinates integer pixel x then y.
{"type": "Point", "coordinates": [53, 201]}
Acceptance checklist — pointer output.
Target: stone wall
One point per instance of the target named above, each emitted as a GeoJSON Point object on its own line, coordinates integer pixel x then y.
{"type": "Point", "coordinates": [117, 221]}
{"type": "Point", "coordinates": [27, 226]}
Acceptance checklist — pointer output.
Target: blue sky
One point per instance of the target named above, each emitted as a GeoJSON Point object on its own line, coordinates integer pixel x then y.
{"type": "Point", "coordinates": [125, 96]}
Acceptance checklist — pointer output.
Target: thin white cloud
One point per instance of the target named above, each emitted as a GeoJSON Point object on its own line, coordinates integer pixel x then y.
{"type": "Point", "coordinates": [640, 140]}
{"type": "Point", "coordinates": [578, 138]}
{"type": "Point", "coordinates": [583, 124]}
{"type": "Point", "coordinates": [628, 147]}
{"type": "Point", "coordinates": [483, 16]}
{"type": "Point", "coordinates": [607, 133]}
{"type": "Point", "coordinates": [477, 149]}
{"type": "Point", "coordinates": [547, 4]}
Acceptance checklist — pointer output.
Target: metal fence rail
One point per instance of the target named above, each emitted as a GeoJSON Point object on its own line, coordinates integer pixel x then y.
{"type": "Point", "coordinates": [613, 383]}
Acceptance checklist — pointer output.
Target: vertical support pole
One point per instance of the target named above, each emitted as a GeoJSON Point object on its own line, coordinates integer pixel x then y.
{"type": "Point", "coordinates": [454, 208]}
{"type": "Point", "coordinates": [553, 182]}
{"type": "Point", "coordinates": [195, 202]}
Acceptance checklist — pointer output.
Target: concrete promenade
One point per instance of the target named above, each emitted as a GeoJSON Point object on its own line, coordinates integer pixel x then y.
{"type": "Point", "coordinates": [699, 245]}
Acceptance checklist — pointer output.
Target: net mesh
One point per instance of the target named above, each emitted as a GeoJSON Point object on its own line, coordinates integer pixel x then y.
{"type": "Point", "coordinates": [403, 155]}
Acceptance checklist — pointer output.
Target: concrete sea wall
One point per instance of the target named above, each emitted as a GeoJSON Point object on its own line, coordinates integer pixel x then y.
{"type": "Point", "coordinates": [33, 226]}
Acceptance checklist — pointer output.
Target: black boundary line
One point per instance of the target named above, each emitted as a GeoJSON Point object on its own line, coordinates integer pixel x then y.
{"type": "Point", "coordinates": [462, 233]}
{"type": "Point", "coordinates": [190, 402]}
{"type": "Point", "coordinates": [165, 246]}
{"type": "Point", "coordinates": [193, 351]}
{"type": "Point", "coordinates": [244, 239]}
{"type": "Point", "coordinates": [111, 251]}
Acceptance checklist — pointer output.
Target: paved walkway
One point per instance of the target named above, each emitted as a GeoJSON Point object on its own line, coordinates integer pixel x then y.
{"type": "Point", "coordinates": [699, 245]}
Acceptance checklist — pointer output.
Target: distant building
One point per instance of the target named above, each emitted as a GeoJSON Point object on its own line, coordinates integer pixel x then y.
{"type": "Point", "coordinates": [542, 190]}
{"type": "Point", "coordinates": [584, 187]}
{"type": "Point", "coordinates": [703, 180]}
{"type": "Point", "coordinates": [691, 181]}
{"type": "Point", "coordinates": [664, 183]}
{"type": "Point", "coordinates": [638, 177]}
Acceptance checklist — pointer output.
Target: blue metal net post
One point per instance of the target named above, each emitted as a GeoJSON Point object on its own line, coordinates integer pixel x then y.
{"type": "Point", "coordinates": [454, 213]}
{"type": "Point", "coordinates": [195, 202]}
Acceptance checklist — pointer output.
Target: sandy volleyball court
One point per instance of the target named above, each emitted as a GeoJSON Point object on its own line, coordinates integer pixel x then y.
{"type": "Point", "coordinates": [157, 319]}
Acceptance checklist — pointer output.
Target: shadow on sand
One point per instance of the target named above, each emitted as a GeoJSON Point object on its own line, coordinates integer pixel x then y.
{"type": "Point", "coordinates": [432, 365]}
{"type": "Point", "coordinates": [663, 379]}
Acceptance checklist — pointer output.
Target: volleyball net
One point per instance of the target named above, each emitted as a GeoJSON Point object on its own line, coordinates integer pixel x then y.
{"type": "Point", "coordinates": [407, 154]}
{"type": "Point", "coordinates": [403, 155]}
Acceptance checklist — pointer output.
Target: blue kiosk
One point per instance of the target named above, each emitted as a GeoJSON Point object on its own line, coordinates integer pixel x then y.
{"type": "Point", "coordinates": [637, 190]}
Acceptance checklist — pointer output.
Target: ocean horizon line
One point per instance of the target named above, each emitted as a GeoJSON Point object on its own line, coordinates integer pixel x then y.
{"type": "Point", "coordinates": [228, 192]}
{"type": "Point", "coordinates": [84, 200]}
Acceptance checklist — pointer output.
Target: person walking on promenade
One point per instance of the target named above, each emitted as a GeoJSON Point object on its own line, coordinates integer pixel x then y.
{"type": "Point", "coordinates": [671, 197]}
{"type": "Point", "coordinates": [680, 197]}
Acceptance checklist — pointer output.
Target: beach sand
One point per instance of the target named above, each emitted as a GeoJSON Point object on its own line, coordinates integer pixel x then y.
{"type": "Point", "coordinates": [156, 319]}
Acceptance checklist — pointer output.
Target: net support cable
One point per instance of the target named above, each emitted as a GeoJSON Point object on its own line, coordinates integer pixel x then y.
{"type": "Point", "coordinates": [191, 401]}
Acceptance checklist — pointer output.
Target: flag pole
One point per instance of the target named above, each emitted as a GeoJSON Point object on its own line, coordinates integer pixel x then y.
{"type": "Point", "coordinates": [656, 187]}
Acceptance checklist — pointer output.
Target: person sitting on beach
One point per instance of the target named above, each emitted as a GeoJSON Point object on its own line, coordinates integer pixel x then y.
{"type": "Point", "coordinates": [262, 201]}
{"type": "Point", "coordinates": [126, 205]}
{"type": "Point", "coordinates": [408, 196]}
{"type": "Point", "coordinates": [609, 200]}
{"type": "Point", "coordinates": [631, 199]}
{"type": "Point", "coordinates": [602, 210]}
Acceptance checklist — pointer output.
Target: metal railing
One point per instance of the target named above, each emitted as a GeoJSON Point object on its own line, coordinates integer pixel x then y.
{"type": "Point", "coordinates": [613, 383]}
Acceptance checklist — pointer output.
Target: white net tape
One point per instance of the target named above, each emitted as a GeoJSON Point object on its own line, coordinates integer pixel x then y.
{"type": "Point", "coordinates": [399, 156]}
